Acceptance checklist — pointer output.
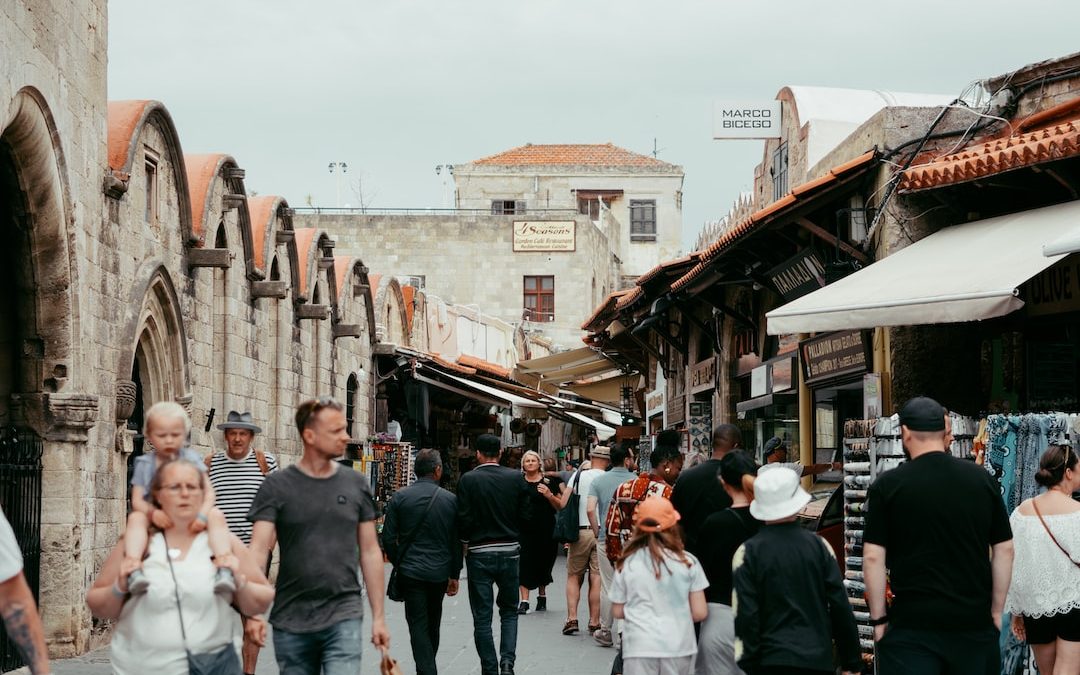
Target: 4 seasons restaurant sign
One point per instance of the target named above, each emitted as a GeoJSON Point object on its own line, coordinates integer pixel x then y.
{"type": "Point", "coordinates": [544, 235]}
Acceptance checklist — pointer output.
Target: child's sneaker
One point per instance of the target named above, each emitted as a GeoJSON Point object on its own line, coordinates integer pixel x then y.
{"type": "Point", "coordinates": [137, 583]}
{"type": "Point", "coordinates": [224, 583]}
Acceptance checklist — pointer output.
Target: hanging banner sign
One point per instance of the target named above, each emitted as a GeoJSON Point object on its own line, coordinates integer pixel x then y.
{"type": "Point", "coordinates": [703, 376]}
{"type": "Point", "coordinates": [544, 235]}
{"type": "Point", "coordinates": [835, 355]}
{"type": "Point", "coordinates": [798, 276]}
{"type": "Point", "coordinates": [746, 119]}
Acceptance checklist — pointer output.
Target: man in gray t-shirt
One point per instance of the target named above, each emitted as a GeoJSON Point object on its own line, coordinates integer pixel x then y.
{"type": "Point", "coordinates": [320, 512]}
{"type": "Point", "coordinates": [601, 490]}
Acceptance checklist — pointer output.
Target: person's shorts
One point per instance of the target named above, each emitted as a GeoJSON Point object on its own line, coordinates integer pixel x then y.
{"type": "Point", "coordinates": [582, 555]}
{"type": "Point", "coordinates": [1047, 629]}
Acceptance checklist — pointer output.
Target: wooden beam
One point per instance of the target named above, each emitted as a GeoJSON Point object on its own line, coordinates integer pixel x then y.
{"type": "Point", "coordinates": [341, 330]}
{"type": "Point", "coordinates": [209, 257]}
{"type": "Point", "coordinates": [269, 289]}
{"type": "Point", "coordinates": [232, 200]}
{"type": "Point", "coordinates": [319, 312]}
{"type": "Point", "coordinates": [825, 235]}
{"type": "Point", "coordinates": [233, 172]}
{"type": "Point", "coordinates": [284, 236]}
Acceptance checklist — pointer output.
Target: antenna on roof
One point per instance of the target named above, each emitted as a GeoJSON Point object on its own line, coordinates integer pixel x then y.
{"type": "Point", "coordinates": [655, 150]}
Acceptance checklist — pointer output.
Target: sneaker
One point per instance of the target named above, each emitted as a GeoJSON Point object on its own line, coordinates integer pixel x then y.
{"type": "Point", "coordinates": [224, 583]}
{"type": "Point", "coordinates": [137, 583]}
{"type": "Point", "coordinates": [506, 669]}
{"type": "Point", "coordinates": [523, 608]}
{"type": "Point", "coordinates": [541, 603]}
{"type": "Point", "coordinates": [603, 638]}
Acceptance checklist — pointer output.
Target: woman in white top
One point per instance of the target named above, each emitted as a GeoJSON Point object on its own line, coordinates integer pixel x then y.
{"type": "Point", "coordinates": [148, 636]}
{"type": "Point", "coordinates": [1044, 597]}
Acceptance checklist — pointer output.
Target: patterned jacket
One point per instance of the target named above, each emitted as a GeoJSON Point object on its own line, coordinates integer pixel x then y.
{"type": "Point", "coordinates": [619, 523]}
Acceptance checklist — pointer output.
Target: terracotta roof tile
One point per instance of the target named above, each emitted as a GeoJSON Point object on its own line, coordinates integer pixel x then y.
{"type": "Point", "coordinates": [605, 154]}
{"type": "Point", "coordinates": [606, 306]}
{"type": "Point", "coordinates": [342, 268]}
{"type": "Point", "coordinates": [995, 156]}
{"type": "Point", "coordinates": [124, 118]}
{"type": "Point", "coordinates": [685, 261]}
{"type": "Point", "coordinates": [407, 294]}
{"type": "Point", "coordinates": [305, 237]}
{"type": "Point", "coordinates": [751, 222]}
{"type": "Point", "coordinates": [450, 365]}
{"type": "Point", "coordinates": [263, 210]}
{"type": "Point", "coordinates": [630, 298]}
{"type": "Point", "coordinates": [201, 171]}
{"type": "Point", "coordinates": [483, 366]}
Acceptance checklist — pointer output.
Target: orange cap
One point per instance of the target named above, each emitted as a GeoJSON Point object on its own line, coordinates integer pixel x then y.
{"type": "Point", "coordinates": [655, 514]}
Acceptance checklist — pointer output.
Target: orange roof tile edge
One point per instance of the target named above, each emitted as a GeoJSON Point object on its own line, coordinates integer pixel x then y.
{"type": "Point", "coordinates": [262, 209]}
{"type": "Point", "coordinates": [450, 365]}
{"type": "Point", "coordinates": [606, 305]}
{"type": "Point", "coordinates": [482, 365]}
{"type": "Point", "coordinates": [407, 295]}
{"type": "Point", "coordinates": [342, 267]}
{"type": "Point", "coordinates": [124, 118]}
{"type": "Point", "coordinates": [201, 171]}
{"type": "Point", "coordinates": [304, 238]}
{"type": "Point", "coordinates": [1058, 141]}
{"type": "Point", "coordinates": [594, 154]}
{"type": "Point", "coordinates": [797, 194]}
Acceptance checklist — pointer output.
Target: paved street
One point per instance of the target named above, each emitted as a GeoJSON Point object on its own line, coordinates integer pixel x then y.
{"type": "Point", "coordinates": [541, 646]}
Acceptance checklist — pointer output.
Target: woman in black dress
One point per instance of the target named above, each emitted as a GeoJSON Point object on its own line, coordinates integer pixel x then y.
{"type": "Point", "coordinates": [538, 549]}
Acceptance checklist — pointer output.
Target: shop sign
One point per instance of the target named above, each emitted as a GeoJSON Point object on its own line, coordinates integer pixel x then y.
{"type": "Point", "coordinates": [798, 276]}
{"type": "Point", "coordinates": [759, 381]}
{"type": "Point", "coordinates": [654, 402]}
{"type": "Point", "coordinates": [544, 235]}
{"type": "Point", "coordinates": [676, 412]}
{"type": "Point", "coordinates": [746, 119]}
{"type": "Point", "coordinates": [1054, 290]}
{"type": "Point", "coordinates": [703, 376]}
{"type": "Point", "coordinates": [835, 355]}
{"type": "Point", "coordinates": [782, 371]}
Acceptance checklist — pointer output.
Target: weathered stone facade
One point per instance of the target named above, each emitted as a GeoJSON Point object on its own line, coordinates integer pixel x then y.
{"type": "Point", "coordinates": [470, 259]}
{"type": "Point", "coordinates": [137, 274]}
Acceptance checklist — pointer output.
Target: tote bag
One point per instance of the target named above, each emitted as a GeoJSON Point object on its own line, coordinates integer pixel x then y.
{"type": "Point", "coordinates": [566, 520]}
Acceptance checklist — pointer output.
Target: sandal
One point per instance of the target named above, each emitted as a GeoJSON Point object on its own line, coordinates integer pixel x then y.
{"type": "Point", "coordinates": [593, 629]}
{"type": "Point", "coordinates": [571, 627]}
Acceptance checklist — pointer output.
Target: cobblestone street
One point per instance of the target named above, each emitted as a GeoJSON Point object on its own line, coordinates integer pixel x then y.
{"type": "Point", "coordinates": [541, 646]}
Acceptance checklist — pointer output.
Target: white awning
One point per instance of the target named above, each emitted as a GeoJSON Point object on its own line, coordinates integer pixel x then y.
{"type": "Point", "coordinates": [550, 371]}
{"type": "Point", "coordinates": [479, 391]}
{"type": "Point", "coordinates": [603, 431]}
{"type": "Point", "coordinates": [965, 272]}
{"type": "Point", "coordinates": [1070, 243]}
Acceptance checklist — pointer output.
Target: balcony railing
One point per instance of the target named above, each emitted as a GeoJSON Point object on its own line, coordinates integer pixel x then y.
{"type": "Point", "coordinates": [423, 211]}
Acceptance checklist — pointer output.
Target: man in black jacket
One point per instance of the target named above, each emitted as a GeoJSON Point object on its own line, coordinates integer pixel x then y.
{"type": "Point", "coordinates": [789, 600]}
{"type": "Point", "coordinates": [698, 493]}
{"type": "Point", "coordinates": [492, 500]}
{"type": "Point", "coordinates": [420, 538]}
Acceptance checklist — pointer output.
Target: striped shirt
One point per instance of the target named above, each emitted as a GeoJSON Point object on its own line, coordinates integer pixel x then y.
{"type": "Point", "coordinates": [235, 484]}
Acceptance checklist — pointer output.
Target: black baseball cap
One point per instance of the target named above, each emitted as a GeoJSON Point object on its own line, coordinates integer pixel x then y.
{"type": "Point", "coordinates": [923, 414]}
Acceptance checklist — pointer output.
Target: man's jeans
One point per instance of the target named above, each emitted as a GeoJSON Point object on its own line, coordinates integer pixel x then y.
{"type": "Point", "coordinates": [334, 650]}
{"type": "Point", "coordinates": [423, 613]}
{"type": "Point", "coordinates": [485, 570]}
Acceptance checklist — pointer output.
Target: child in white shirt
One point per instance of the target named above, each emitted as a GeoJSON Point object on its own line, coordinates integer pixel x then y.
{"type": "Point", "coordinates": [659, 592]}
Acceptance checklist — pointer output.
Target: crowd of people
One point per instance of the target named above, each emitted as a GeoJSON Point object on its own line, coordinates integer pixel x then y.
{"type": "Point", "coordinates": [697, 571]}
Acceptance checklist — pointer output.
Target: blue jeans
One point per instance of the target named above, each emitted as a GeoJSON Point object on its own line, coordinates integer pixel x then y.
{"type": "Point", "coordinates": [485, 571]}
{"type": "Point", "coordinates": [334, 650]}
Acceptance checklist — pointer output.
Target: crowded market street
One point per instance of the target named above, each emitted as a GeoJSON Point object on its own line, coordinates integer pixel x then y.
{"type": "Point", "coordinates": [541, 648]}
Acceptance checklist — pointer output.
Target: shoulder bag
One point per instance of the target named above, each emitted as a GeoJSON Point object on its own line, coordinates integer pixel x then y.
{"type": "Point", "coordinates": [224, 661]}
{"type": "Point", "coordinates": [392, 590]}
{"type": "Point", "coordinates": [567, 530]}
{"type": "Point", "coordinates": [1052, 537]}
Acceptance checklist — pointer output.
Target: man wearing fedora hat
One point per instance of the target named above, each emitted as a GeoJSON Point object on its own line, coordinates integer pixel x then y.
{"type": "Point", "coordinates": [789, 599]}
{"type": "Point", "coordinates": [237, 474]}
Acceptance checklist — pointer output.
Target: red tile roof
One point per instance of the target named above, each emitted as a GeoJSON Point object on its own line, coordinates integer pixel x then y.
{"type": "Point", "coordinates": [407, 294]}
{"type": "Point", "coordinates": [605, 154]}
{"type": "Point", "coordinates": [263, 210]}
{"type": "Point", "coordinates": [305, 236]}
{"type": "Point", "coordinates": [123, 121]}
{"type": "Point", "coordinates": [1048, 144]}
{"type": "Point", "coordinates": [484, 366]}
{"type": "Point", "coordinates": [670, 265]}
{"type": "Point", "coordinates": [603, 308]}
{"type": "Point", "coordinates": [343, 265]}
{"type": "Point", "coordinates": [201, 172]}
{"type": "Point", "coordinates": [759, 218]}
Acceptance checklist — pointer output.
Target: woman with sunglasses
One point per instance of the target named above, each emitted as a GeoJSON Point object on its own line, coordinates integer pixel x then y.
{"type": "Point", "coordinates": [1044, 596]}
{"type": "Point", "coordinates": [150, 635]}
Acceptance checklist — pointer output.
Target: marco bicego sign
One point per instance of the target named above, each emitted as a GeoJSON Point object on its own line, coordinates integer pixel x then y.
{"type": "Point", "coordinates": [746, 119]}
{"type": "Point", "coordinates": [544, 235]}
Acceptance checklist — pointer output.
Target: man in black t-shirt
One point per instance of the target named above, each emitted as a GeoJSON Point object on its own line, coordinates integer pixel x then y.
{"type": "Point", "coordinates": [698, 493]}
{"type": "Point", "coordinates": [940, 526]}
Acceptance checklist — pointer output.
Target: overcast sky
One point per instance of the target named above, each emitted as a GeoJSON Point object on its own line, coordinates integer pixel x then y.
{"type": "Point", "coordinates": [396, 87]}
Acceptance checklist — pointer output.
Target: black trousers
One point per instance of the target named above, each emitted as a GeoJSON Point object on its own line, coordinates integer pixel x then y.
{"type": "Point", "coordinates": [423, 613]}
{"type": "Point", "coordinates": [963, 652]}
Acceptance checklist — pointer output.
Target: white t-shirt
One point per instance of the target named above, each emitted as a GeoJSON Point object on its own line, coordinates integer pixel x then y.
{"type": "Point", "coordinates": [658, 622]}
{"type": "Point", "coordinates": [10, 557]}
{"type": "Point", "coordinates": [582, 488]}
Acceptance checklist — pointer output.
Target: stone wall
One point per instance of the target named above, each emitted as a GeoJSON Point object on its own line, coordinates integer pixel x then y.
{"type": "Point", "coordinates": [469, 259]}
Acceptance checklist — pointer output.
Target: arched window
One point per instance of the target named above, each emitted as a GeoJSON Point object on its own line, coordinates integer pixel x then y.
{"type": "Point", "coordinates": [351, 390]}
{"type": "Point", "coordinates": [221, 337]}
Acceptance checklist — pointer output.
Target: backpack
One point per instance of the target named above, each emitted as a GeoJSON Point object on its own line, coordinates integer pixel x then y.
{"type": "Point", "coordinates": [260, 457]}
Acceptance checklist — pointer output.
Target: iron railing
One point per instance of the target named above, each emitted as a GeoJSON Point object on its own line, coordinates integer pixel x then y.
{"type": "Point", "coordinates": [20, 497]}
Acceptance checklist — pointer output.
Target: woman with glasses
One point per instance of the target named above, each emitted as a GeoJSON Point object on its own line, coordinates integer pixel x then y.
{"type": "Point", "coordinates": [538, 549]}
{"type": "Point", "coordinates": [1044, 596]}
{"type": "Point", "coordinates": [154, 634]}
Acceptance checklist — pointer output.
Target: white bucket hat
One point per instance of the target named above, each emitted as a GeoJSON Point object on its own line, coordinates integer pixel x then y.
{"type": "Point", "coordinates": [777, 495]}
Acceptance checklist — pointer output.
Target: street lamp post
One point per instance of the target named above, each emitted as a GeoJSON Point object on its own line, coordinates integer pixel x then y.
{"type": "Point", "coordinates": [339, 169]}
{"type": "Point", "coordinates": [445, 181]}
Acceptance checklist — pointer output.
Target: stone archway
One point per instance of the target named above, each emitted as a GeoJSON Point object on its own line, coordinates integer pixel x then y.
{"type": "Point", "coordinates": [156, 353]}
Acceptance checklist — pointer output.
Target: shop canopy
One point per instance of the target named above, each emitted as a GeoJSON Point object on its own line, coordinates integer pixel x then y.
{"type": "Point", "coordinates": [965, 272]}
{"type": "Point", "coordinates": [473, 389]}
{"type": "Point", "coordinates": [552, 371]}
{"type": "Point", "coordinates": [603, 431]}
